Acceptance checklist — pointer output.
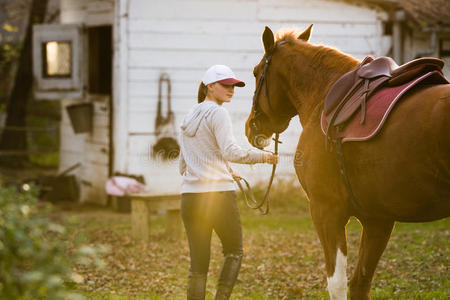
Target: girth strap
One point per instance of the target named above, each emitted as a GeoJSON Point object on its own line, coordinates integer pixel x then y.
{"type": "Point", "coordinates": [342, 169]}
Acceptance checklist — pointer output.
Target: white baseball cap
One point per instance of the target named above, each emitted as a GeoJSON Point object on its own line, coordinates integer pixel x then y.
{"type": "Point", "coordinates": [222, 74]}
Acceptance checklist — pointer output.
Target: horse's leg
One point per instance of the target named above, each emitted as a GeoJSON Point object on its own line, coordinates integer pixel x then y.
{"type": "Point", "coordinates": [330, 226]}
{"type": "Point", "coordinates": [374, 238]}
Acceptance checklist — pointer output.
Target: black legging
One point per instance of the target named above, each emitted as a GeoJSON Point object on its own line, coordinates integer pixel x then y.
{"type": "Point", "coordinates": [203, 212]}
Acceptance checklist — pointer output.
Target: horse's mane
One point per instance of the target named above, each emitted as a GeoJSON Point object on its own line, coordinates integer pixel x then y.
{"type": "Point", "coordinates": [321, 55]}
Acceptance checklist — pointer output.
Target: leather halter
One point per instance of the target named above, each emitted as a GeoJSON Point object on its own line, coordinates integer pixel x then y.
{"type": "Point", "coordinates": [251, 200]}
{"type": "Point", "coordinates": [255, 106]}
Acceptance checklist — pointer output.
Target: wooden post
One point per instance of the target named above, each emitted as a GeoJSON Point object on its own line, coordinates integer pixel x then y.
{"type": "Point", "coordinates": [397, 36]}
{"type": "Point", "coordinates": [140, 225]}
{"type": "Point", "coordinates": [142, 204]}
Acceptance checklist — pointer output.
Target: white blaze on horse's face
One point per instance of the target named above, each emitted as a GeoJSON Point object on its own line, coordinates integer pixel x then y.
{"type": "Point", "coordinates": [337, 284]}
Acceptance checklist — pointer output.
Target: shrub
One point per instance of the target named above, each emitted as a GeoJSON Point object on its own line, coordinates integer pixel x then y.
{"type": "Point", "coordinates": [34, 262]}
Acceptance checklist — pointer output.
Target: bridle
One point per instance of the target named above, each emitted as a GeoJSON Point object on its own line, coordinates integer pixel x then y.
{"type": "Point", "coordinates": [257, 112]}
{"type": "Point", "coordinates": [255, 125]}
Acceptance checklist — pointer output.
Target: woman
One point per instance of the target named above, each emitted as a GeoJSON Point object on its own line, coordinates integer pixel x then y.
{"type": "Point", "coordinates": [208, 191]}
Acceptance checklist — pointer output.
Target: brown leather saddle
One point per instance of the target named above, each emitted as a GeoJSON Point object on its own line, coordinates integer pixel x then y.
{"type": "Point", "coordinates": [350, 93]}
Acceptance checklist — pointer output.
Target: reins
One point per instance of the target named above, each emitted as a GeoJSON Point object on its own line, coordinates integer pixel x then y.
{"type": "Point", "coordinates": [250, 199]}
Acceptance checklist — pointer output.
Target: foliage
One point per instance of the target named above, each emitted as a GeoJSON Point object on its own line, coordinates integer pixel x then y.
{"type": "Point", "coordinates": [11, 35]}
{"type": "Point", "coordinates": [11, 139]}
{"type": "Point", "coordinates": [10, 51]}
{"type": "Point", "coordinates": [44, 117]}
{"type": "Point", "coordinates": [33, 259]}
{"type": "Point", "coordinates": [39, 120]}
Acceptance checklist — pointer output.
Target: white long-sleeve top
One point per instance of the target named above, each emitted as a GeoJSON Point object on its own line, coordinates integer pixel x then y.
{"type": "Point", "coordinates": [207, 143]}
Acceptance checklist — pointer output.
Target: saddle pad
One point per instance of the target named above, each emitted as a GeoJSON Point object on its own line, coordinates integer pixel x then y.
{"type": "Point", "coordinates": [378, 107]}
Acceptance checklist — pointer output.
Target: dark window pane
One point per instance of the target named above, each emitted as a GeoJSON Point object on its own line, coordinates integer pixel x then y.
{"type": "Point", "coordinates": [100, 59]}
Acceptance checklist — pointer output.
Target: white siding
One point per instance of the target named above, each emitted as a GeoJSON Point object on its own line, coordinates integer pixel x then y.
{"type": "Point", "coordinates": [89, 149]}
{"type": "Point", "coordinates": [446, 69]}
{"type": "Point", "coordinates": [71, 145]}
{"type": "Point", "coordinates": [184, 37]}
{"type": "Point", "coordinates": [120, 87]}
{"type": "Point", "coordinates": [416, 41]}
{"type": "Point", "coordinates": [89, 13]}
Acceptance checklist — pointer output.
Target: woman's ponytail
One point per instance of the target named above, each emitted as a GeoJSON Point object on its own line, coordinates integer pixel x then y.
{"type": "Point", "coordinates": [202, 90]}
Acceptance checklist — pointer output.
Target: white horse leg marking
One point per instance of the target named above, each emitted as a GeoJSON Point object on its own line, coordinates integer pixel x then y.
{"type": "Point", "coordinates": [337, 284]}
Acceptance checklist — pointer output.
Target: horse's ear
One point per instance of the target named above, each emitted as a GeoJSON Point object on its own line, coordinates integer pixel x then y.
{"type": "Point", "coordinates": [306, 34]}
{"type": "Point", "coordinates": [268, 40]}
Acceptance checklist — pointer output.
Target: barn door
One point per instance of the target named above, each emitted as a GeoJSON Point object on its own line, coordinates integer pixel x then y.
{"type": "Point", "coordinates": [97, 166]}
{"type": "Point", "coordinates": [73, 63]}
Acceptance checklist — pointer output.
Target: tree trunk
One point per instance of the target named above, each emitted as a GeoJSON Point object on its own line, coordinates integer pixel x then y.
{"type": "Point", "coordinates": [14, 139]}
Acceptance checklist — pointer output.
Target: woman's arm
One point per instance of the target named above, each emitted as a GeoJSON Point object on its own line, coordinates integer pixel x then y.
{"type": "Point", "coordinates": [230, 150]}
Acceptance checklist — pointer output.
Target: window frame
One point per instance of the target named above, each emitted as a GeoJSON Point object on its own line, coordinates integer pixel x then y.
{"type": "Point", "coordinates": [58, 87]}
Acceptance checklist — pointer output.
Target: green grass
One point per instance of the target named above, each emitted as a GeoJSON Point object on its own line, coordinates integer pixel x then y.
{"type": "Point", "coordinates": [283, 259]}
{"type": "Point", "coordinates": [284, 223]}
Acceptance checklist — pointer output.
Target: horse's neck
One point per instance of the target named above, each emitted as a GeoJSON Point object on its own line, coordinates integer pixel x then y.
{"type": "Point", "coordinates": [314, 85]}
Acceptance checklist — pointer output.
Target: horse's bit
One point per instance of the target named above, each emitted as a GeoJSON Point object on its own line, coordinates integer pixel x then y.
{"type": "Point", "coordinates": [254, 123]}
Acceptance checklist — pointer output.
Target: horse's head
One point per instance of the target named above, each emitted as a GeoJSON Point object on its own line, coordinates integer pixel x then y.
{"type": "Point", "coordinates": [272, 110]}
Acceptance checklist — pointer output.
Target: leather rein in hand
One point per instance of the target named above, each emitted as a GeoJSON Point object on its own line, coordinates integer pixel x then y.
{"type": "Point", "coordinates": [250, 199]}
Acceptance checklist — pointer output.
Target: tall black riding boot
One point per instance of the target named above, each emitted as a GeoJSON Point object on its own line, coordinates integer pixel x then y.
{"type": "Point", "coordinates": [196, 286]}
{"type": "Point", "coordinates": [228, 276]}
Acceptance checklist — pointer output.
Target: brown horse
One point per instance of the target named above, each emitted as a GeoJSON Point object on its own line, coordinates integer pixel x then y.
{"type": "Point", "coordinates": [402, 174]}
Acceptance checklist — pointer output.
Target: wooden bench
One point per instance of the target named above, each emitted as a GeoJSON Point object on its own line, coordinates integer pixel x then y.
{"type": "Point", "coordinates": [142, 205]}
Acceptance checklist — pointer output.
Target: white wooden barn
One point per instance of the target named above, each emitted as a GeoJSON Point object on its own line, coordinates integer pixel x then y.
{"type": "Point", "coordinates": [120, 48]}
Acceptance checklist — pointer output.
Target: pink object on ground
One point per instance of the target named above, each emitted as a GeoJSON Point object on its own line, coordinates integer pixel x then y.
{"type": "Point", "coordinates": [121, 186]}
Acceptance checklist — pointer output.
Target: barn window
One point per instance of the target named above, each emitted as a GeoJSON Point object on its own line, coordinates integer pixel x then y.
{"type": "Point", "coordinates": [58, 68]}
{"type": "Point", "coordinates": [57, 59]}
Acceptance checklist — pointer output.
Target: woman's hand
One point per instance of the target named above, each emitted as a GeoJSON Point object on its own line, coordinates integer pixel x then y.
{"type": "Point", "coordinates": [270, 158]}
